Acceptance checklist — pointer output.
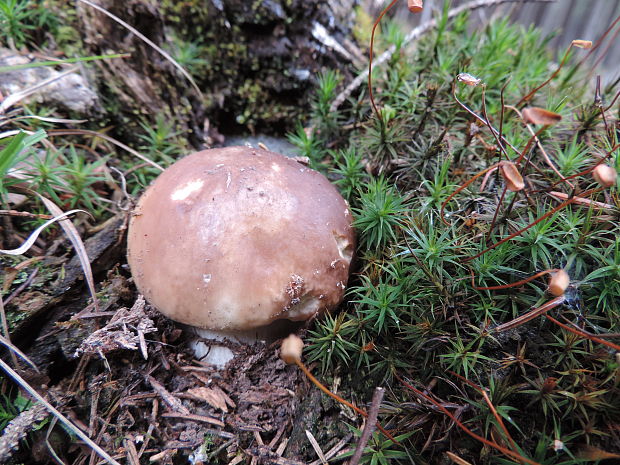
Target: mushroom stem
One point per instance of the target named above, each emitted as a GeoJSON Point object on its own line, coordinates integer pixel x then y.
{"type": "Point", "coordinates": [212, 346]}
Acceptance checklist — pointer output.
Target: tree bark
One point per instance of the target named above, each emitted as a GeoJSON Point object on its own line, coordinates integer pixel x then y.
{"type": "Point", "coordinates": [254, 61]}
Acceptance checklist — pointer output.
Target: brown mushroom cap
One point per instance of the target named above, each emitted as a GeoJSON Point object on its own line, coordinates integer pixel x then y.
{"type": "Point", "coordinates": [236, 238]}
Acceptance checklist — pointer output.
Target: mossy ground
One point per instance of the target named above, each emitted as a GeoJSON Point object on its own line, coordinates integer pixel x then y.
{"type": "Point", "coordinates": [413, 313]}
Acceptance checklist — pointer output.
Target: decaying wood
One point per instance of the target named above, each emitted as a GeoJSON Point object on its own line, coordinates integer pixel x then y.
{"type": "Point", "coordinates": [125, 330]}
{"type": "Point", "coordinates": [18, 428]}
{"type": "Point", "coordinates": [259, 76]}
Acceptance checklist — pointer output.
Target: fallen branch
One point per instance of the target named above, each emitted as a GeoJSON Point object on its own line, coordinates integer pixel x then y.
{"type": "Point", "coordinates": [369, 428]}
{"type": "Point", "coordinates": [18, 428]}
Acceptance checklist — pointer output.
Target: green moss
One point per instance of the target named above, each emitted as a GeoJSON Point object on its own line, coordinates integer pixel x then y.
{"type": "Point", "coordinates": [418, 305]}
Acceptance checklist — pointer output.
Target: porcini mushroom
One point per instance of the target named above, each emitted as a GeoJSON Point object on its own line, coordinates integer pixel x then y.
{"type": "Point", "coordinates": [232, 239]}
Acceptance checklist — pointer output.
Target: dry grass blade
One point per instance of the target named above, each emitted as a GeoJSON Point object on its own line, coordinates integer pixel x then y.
{"type": "Point", "coordinates": [86, 132]}
{"type": "Point", "coordinates": [316, 447]}
{"type": "Point", "coordinates": [74, 429]}
{"type": "Point", "coordinates": [456, 459]}
{"type": "Point", "coordinates": [45, 119]}
{"type": "Point", "coordinates": [9, 345]}
{"type": "Point", "coordinates": [60, 215]}
{"type": "Point", "coordinates": [14, 132]}
{"type": "Point", "coordinates": [145, 39]}
{"type": "Point", "coordinates": [74, 236]}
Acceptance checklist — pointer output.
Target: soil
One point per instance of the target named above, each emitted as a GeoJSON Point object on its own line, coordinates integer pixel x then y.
{"type": "Point", "coordinates": [125, 374]}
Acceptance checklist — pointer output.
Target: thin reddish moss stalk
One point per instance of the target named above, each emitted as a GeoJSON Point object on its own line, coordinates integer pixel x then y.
{"type": "Point", "coordinates": [515, 284]}
{"type": "Point", "coordinates": [336, 397]}
{"type": "Point", "coordinates": [598, 43]}
{"type": "Point", "coordinates": [555, 73]}
{"type": "Point", "coordinates": [482, 391]}
{"type": "Point", "coordinates": [532, 224]}
{"type": "Point", "coordinates": [499, 204]}
{"type": "Point", "coordinates": [370, 54]}
{"type": "Point", "coordinates": [592, 168]}
{"type": "Point", "coordinates": [503, 450]}
{"type": "Point", "coordinates": [583, 334]}
{"type": "Point", "coordinates": [460, 188]}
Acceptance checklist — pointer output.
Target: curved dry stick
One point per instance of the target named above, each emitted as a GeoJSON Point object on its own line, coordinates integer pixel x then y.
{"type": "Point", "coordinates": [35, 234]}
{"type": "Point", "coordinates": [149, 42]}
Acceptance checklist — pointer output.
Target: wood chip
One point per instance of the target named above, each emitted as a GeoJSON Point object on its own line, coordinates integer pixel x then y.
{"type": "Point", "coordinates": [164, 454]}
{"type": "Point", "coordinates": [132, 453]}
{"type": "Point", "coordinates": [172, 402]}
{"type": "Point", "coordinates": [192, 417]}
{"type": "Point", "coordinates": [236, 460]}
{"type": "Point", "coordinates": [316, 447]}
{"type": "Point", "coordinates": [213, 396]}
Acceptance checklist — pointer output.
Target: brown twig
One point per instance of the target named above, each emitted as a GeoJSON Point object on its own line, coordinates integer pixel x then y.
{"type": "Point", "coordinates": [25, 214]}
{"type": "Point", "coordinates": [373, 412]}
